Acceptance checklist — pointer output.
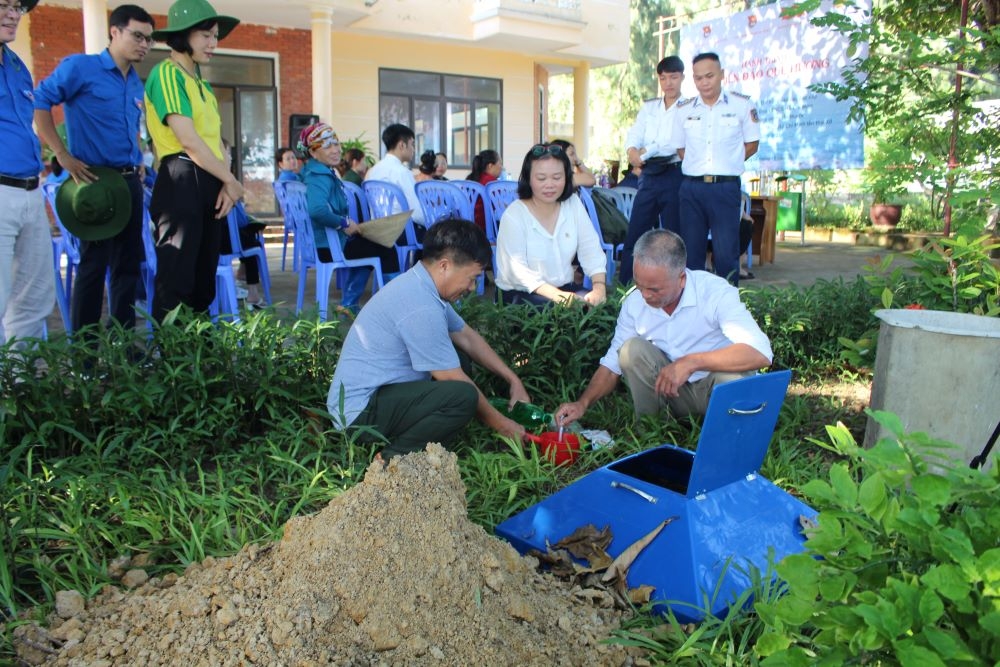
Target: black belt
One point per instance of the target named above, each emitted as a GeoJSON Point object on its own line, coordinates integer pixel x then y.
{"type": "Point", "coordinates": [663, 162]}
{"type": "Point", "coordinates": [23, 183]}
{"type": "Point", "coordinates": [714, 179]}
{"type": "Point", "coordinates": [127, 171]}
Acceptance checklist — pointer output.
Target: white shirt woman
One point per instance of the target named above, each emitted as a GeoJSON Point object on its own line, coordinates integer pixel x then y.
{"type": "Point", "coordinates": [543, 231]}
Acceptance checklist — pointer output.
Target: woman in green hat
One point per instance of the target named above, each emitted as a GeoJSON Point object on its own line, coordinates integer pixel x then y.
{"type": "Point", "coordinates": [194, 189]}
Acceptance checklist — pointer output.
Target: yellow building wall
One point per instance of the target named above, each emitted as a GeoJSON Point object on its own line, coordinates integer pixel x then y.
{"type": "Point", "coordinates": [354, 79]}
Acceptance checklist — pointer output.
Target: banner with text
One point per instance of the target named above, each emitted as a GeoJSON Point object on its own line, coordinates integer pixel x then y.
{"type": "Point", "coordinates": [774, 60]}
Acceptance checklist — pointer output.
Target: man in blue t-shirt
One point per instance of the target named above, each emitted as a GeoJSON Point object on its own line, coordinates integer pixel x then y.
{"type": "Point", "coordinates": [399, 372]}
{"type": "Point", "coordinates": [103, 99]}
{"type": "Point", "coordinates": [27, 281]}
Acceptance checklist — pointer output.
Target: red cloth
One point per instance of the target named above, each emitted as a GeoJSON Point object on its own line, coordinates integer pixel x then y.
{"type": "Point", "coordinates": [484, 178]}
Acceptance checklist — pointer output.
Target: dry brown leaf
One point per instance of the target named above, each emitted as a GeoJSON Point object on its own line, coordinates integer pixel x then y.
{"type": "Point", "coordinates": [618, 570]}
{"type": "Point", "coordinates": [641, 595]}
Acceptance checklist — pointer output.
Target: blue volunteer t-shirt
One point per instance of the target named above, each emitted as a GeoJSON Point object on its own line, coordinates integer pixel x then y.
{"type": "Point", "coordinates": [22, 152]}
{"type": "Point", "coordinates": [104, 110]}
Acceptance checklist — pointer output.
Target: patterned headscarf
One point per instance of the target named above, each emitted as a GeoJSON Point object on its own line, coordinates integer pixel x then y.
{"type": "Point", "coordinates": [317, 135]}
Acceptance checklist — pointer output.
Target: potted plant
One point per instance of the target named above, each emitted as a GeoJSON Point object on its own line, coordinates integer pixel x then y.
{"type": "Point", "coordinates": [361, 143]}
{"type": "Point", "coordinates": [887, 173]}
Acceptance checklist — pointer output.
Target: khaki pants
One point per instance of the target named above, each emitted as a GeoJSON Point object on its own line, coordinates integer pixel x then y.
{"type": "Point", "coordinates": [641, 362]}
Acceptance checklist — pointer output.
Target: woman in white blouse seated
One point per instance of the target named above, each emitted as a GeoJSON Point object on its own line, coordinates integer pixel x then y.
{"type": "Point", "coordinates": [543, 231]}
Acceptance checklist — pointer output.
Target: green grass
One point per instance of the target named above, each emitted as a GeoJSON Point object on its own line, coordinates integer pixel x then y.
{"type": "Point", "coordinates": [213, 437]}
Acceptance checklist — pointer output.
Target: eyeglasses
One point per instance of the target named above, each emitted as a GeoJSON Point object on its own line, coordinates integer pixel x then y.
{"type": "Point", "coordinates": [538, 150]}
{"type": "Point", "coordinates": [20, 10]}
{"type": "Point", "coordinates": [140, 37]}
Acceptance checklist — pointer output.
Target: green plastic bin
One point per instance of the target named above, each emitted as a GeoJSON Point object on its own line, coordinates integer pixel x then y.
{"type": "Point", "coordinates": [790, 212]}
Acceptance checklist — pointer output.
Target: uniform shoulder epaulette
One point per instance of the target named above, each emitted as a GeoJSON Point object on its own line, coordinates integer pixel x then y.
{"type": "Point", "coordinates": [741, 95]}
{"type": "Point", "coordinates": [685, 102]}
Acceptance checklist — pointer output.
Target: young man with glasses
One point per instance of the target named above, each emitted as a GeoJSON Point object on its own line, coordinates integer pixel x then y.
{"type": "Point", "coordinates": [27, 282]}
{"type": "Point", "coordinates": [103, 99]}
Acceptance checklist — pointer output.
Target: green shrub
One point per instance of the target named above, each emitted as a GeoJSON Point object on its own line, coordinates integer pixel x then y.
{"type": "Point", "coordinates": [805, 323]}
{"type": "Point", "coordinates": [950, 274]}
{"type": "Point", "coordinates": [902, 566]}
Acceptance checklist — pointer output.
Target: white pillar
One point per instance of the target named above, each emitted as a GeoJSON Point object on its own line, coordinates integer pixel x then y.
{"type": "Point", "coordinates": [322, 61]}
{"type": "Point", "coordinates": [95, 25]}
{"type": "Point", "coordinates": [581, 111]}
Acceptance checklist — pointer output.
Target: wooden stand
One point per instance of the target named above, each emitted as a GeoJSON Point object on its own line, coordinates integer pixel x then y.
{"type": "Point", "coordinates": [764, 211]}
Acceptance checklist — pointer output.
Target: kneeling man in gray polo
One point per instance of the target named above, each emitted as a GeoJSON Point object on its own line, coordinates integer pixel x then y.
{"type": "Point", "coordinates": [400, 373]}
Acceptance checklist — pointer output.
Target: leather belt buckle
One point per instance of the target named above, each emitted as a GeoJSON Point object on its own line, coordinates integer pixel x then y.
{"type": "Point", "coordinates": [708, 179]}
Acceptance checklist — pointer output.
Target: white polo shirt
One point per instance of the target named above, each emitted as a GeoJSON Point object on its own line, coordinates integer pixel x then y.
{"type": "Point", "coordinates": [653, 129]}
{"type": "Point", "coordinates": [710, 316]}
{"type": "Point", "coordinates": [713, 137]}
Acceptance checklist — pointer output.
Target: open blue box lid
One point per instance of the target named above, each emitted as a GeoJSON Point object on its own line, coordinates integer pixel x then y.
{"type": "Point", "coordinates": [737, 431]}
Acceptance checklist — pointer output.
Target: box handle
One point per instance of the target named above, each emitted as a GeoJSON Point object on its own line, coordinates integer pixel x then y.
{"type": "Point", "coordinates": [757, 410]}
{"type": "Point", "coordinates": [639, 492]}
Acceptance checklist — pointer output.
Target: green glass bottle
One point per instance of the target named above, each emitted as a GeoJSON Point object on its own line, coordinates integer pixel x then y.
{"type": "Point", "coordinates": [527, 415]}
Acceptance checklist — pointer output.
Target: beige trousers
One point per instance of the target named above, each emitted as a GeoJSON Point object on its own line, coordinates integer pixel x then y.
{"type": "Point", "coordinates": [641, 362]}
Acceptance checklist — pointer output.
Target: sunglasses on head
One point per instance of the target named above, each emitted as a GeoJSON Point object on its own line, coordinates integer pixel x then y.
{"type": "Point", "coordinates": [538, 150]}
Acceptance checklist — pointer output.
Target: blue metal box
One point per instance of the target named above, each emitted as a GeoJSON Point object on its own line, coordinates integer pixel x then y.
{"type": "Point", "coordinates": [729, 518]}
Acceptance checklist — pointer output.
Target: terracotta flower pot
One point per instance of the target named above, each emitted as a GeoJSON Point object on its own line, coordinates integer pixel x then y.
{"type": "Point", "coordinates": [885, 215]}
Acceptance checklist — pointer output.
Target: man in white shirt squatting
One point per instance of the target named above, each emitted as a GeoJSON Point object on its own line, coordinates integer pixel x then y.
{"type": "Point", "coordinates": [679, 333]}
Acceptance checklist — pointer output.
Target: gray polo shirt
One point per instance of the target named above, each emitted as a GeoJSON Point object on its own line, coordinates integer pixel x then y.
{"type": "Point", "coordinates": [401, 335]}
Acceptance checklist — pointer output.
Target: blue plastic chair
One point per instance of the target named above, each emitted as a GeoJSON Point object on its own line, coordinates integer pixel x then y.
{"type": "Point", "coordinates": [384, 199]}
{"type": "Point", "coordinates": [473, 192]}
{"type": "Point", "coordinates": [610, 250]}
{"type": "Point", "coordinates": [279, 194]}
{"type": "Point", "coordinates": [147, 268]}
{"type": "Point", "coordinates": [745, 211]}
{"type": "Point", "coordinates": [440, 200]}
{"type": "Point", "coordinates": [624, 199]}
{"type": "Point", "coordinates": [62, 301]}
{"type": "Point", "coordinates": [298, 209]}
{"type": "Point", "coordinates": [499, 195]}
{"type": "Point", "coordinates": [256, 252]}
{"type": "Point", "coordinates": [357, 202]}
{"type": "Point", "coordinates": [225, 304]}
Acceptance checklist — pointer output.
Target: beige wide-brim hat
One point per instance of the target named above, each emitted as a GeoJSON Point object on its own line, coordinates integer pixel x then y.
{"type": "Point", "coordinates": [186, 14]}
{"type": "Point", "coordinates": [385, 231]}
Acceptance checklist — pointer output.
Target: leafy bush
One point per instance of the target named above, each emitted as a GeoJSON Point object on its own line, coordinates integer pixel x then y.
{"type": "Point", "coordinates": [805, 323]}
{"type": "Point", "coordinates": [950, 274]}
{"type": "Point", "coordinates": [902, 566]}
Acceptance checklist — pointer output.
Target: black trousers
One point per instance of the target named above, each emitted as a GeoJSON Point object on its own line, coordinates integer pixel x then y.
{"type": "Point", "coordinates": [187, 235]}
{"type": "Point", "coordinates": [122, 254]}
{"type": "Point", "coordinates": [657, 204]}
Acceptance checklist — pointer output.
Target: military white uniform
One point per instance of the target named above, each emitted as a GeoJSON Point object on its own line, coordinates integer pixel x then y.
{"type": "Point", "coordinates": [653, 129]}
{"type": "Point", "coordinates": [713, 139]}
{"type": "Point", "coordinates": [657, 201]}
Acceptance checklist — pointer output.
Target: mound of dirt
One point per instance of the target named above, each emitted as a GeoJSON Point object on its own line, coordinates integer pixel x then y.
{"type": "Point", "coordinates": [391, 572]}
